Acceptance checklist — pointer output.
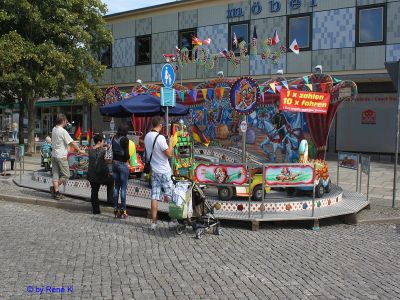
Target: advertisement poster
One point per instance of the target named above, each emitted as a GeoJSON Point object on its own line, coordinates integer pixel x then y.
{"type": "Point", "coordinates": [304, 101]}
{"type": "Point", "coordinates": [289, 175]}
{"type": "Point", "coordinates": [348, 160]}
{"type": "Point", "coordinates": [365, 164]}
{"type": "Point", "coordinates": [221, 174]}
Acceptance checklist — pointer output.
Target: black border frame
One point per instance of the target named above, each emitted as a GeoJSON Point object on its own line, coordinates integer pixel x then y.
{"type": "Point", "coordinates": [137, 63]}
{"type": "Point", "coordinates": [310, 26]}
{"type": "Point", "coordinates": [179, 38]}
{"type": "Point", "coordinates": [230, 34]}
{"type": "Point", "coordinates": [384, 25]}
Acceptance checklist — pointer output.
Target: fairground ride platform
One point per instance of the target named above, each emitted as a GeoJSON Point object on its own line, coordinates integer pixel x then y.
{"type": "Point", "coordinates": [277, 206]}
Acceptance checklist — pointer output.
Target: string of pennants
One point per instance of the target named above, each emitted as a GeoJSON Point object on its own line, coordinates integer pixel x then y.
{"type": "Point", "coordinates": [271, 88]}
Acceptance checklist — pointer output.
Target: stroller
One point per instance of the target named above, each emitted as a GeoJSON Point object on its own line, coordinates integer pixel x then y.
{"type": "Point", "coordinates": [190, 208]}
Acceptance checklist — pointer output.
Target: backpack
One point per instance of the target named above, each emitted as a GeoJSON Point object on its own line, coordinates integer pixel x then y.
{"type": "Point", "coordinates": [116, 147]}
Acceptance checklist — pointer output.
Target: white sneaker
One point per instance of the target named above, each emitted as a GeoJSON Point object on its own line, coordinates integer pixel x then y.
{"type": "Point", "coordinates": [173, 224]}
{"type": "Point", "coordinates": [153, 226]}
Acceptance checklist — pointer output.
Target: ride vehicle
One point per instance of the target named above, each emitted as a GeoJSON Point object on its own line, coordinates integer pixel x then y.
{"type": "Point", "coordinates": [226, 193]}
{"type": "Point", "coordinates": [323, 183]}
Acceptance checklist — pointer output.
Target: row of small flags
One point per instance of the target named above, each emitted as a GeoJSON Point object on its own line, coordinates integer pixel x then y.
{"type": "Point", "coordinates": [294, 46]}
{"type": "Point", "coordinates": [271, 88]}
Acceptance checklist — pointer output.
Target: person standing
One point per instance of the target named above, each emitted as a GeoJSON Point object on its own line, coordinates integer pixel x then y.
{"type": "Point", "coordinates": [14, 131]}
{"type": "Point", "coordinates": [120, 170]}
{"type": "Point", "coordinates": [159, 151]}
{"type": "Point", "coordinates": [61, 140]}
{"type": "Point", "coordinates": [99, 173]}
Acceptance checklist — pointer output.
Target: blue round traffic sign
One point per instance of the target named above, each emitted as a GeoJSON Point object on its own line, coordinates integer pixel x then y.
{"type": "Point", "coordinates": [168, 75]}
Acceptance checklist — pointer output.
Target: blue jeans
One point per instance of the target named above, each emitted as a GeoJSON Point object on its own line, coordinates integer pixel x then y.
{"type": "Point", "coordinates": [120, 173]}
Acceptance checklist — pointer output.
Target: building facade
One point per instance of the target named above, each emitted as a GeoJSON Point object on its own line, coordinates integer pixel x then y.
{"type": "Point", "coordinates": [351, 39]}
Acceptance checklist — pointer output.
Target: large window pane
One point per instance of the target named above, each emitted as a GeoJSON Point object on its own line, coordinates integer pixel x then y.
{"type": "Point", "coordinates": [105, 56]}
{"type": "Point", "coordinates": [371, 25]}
{"type": "Point", "coordinates": [299, 29]}
{"type": "Point", "coordinates": [241, 31]}
{"type": "Point", "coordinates": [185, 39]}
{"type": "Point", "coordinates": [143, 50]}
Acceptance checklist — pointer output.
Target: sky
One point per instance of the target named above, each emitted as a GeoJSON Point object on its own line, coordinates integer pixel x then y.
{"type": "Point", "coordinates": [115, 6]}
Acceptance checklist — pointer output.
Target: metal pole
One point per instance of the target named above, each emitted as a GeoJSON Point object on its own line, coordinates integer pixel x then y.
{"type": "Point", "coordinates": [244, 143]}
{"type": "Point", "coordinates": [167, 120]}
{"type": "Point", "coordinates": [249, 175]}
{"type": "Point", "coordinates": [313, 194]}
{"type": "Point", "coordinates": [369, 172]}
{"type": "Point", "coordinates": [263, 191]}
{"type": "Point", "coordinates": [358, 169]}
{"type": "Point", "coordinates": [396, 152]}
{"type": "Point", "coordinates": [337, 174]}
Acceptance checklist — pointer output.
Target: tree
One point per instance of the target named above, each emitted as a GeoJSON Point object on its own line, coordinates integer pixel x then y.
{"type": "Point", "coordinates": [50, 48]}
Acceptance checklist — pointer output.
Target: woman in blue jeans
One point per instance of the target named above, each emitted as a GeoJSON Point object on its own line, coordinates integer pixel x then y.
{"type": "Point", "coordinates": [120, 149]}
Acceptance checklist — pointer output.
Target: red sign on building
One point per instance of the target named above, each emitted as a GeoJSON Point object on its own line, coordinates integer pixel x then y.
{"type": "Point", "coordinates": [368, 117]}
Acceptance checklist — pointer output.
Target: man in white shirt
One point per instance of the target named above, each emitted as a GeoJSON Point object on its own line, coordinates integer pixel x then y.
{"type": "Point", "coordinates": [161, 170]}
{"type": "Point", "coordinates": [60, 142]}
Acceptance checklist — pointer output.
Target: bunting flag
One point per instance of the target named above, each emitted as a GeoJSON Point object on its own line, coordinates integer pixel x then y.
{"type": "Point", "coordinates": [158, 94]}
{"type": "Point", "coordinates": [207, 42]}
{"type": "Point", "coordinates": [262, 93]}
{"type": "Point", "coordinates": [254, 40]}
{"type": "Point", "coordinates": [204, 92]}
{"type": "Point", "coordinates": [272, 85]}
{"type": "Point", "coordinates": [294, 47]}
{"type": "Point", "coordinates": [193, 94]}
{"type": "Point", "coordinates": [285, 84]}
{"type": "Point", "coordinates": [199, 136]}
{"type": "Point", "coordinates": [305, 79]}
{"type": "Point", "coordinates": [310, 86]}
{"type": "Point", "coordinates": [337, 80]}
{"type": "Point", "coordinates": [210, 93]}
{"type": "Point", "coordinates": [261, 87]}
{"type": "Point", "coordinates": [279, 88]}
{"type": "Point", "coordinates": [78, 133]}
{"type": "Point", "coordinates": [275, 39]}
{"type": "Point", "coordinates": [196, 41]}
{"type": "Point", "coordinates": [182, 94]}
{"type": "Point", "coordinates": [235, 42]}
{"type": "Point", "coordinates": [88, 135]}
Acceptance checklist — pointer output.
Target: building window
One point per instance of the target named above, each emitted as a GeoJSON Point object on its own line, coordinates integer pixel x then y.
{"type": "Point", "coordinates": [143, 50]}
{"type": "Point", "coordinates": [299, 28]}
{"type": "Point", "coordinates": [238, 32]}
{"type": "Point", "coordinates": [370, 25]}
{"type": "Point", "coordinates": [105, 56]}
{"type": "Point", "coordinates": [185, 39]}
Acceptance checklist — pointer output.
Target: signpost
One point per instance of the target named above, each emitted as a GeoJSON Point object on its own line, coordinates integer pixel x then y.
{"type": "Point", "coordinates": [393, 69]}
{"type": "Point", "coordinates": [365, 168]}
{"type": "Point", "coordinates": [168, 93]}
{"type": "Point", "coordinates": [349, 161]}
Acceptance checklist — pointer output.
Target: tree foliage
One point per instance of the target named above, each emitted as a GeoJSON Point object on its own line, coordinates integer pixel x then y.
{"type": "Point", "coordinates": [51, 48]}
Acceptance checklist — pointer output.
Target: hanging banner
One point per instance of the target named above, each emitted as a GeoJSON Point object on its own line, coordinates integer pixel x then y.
{"type": "Point", "coordinates": [244, 95]}
{"type": "Point", "coordinates": [304, 101]}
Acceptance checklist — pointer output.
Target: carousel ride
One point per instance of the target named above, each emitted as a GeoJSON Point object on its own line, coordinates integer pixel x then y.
{"type": "Point", "coordinates": [284, 175]}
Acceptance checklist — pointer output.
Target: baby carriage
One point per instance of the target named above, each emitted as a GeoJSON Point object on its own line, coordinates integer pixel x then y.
{"type": "Point", "coordinates": [189, 207]}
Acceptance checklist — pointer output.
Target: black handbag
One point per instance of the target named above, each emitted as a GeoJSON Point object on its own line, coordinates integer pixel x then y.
{"type": "Point", "coordinates": [147, 166]}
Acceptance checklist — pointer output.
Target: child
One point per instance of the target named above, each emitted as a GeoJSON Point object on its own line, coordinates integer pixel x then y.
{"type": "Point", "coordinates": [46, 148]}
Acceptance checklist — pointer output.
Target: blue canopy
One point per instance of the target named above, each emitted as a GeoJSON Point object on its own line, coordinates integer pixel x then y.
{"type": "Point", "coordinates": [143, 104]}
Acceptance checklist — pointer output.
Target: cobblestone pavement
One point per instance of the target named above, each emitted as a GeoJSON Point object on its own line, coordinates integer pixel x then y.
{"type": "Point", "coordinates": [102, 258]}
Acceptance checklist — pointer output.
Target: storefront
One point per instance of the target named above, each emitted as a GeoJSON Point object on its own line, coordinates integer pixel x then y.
{"type": "Point", "coordinates": [47, 110]}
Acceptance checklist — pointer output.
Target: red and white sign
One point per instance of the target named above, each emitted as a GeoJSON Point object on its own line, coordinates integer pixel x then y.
{"type": "Point", "coordinates": [304, 101]}
{"type": "Point", "coordinates": [368, 117]}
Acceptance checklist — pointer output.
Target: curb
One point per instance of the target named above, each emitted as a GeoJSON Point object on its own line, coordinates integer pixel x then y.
{"type": "Point", "coordinates": [61, 204]}
{"type": "Point", "coordinates": [379, 221]}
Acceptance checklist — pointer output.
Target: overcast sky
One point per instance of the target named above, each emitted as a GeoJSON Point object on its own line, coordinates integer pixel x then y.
{"type": "Point", "coordinates": [115, 6]}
